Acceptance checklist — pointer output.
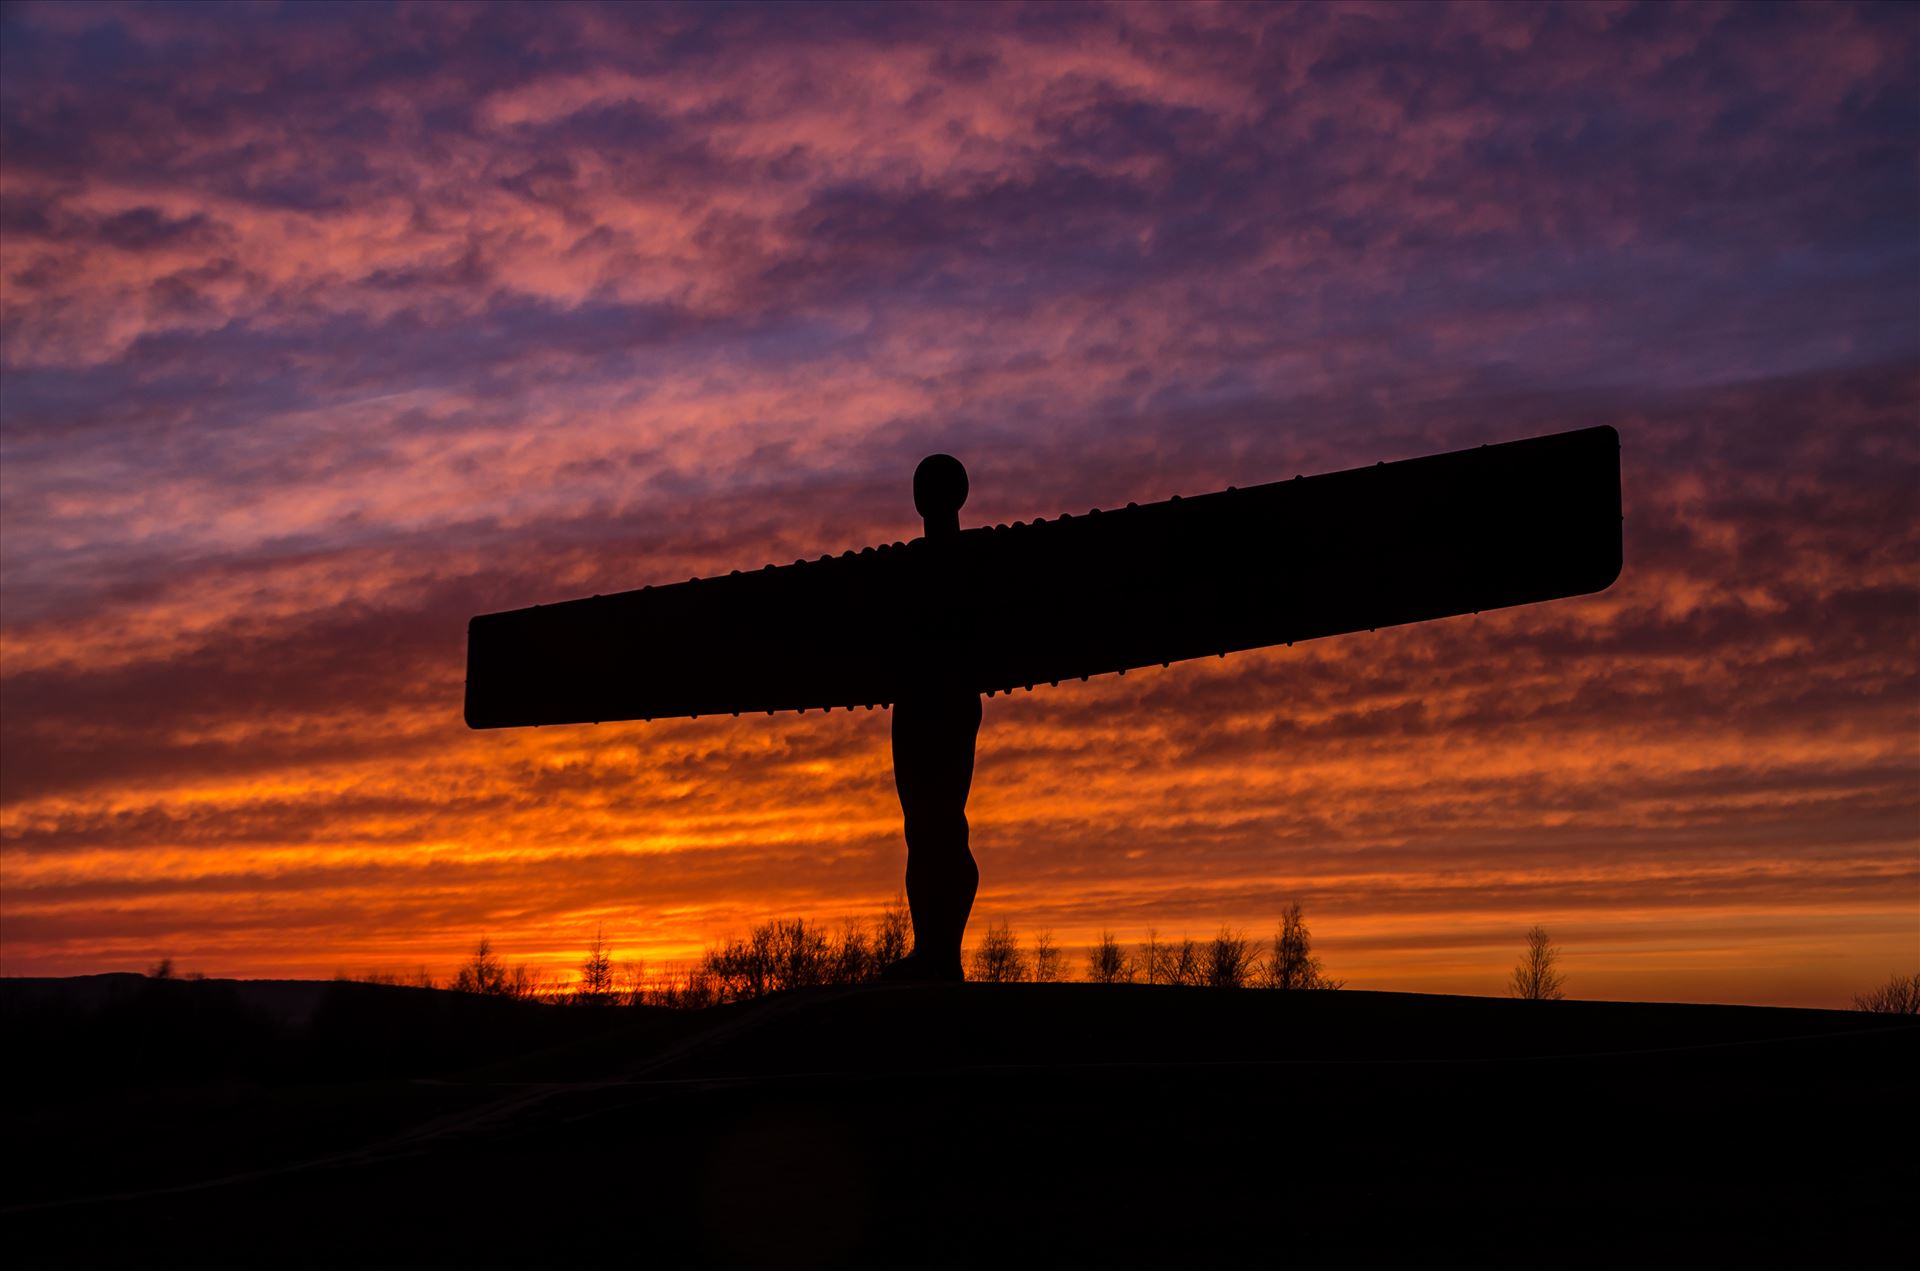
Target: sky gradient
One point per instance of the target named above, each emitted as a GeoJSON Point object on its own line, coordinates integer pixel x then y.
{"type": "Point", "coordinates": [323, 328]}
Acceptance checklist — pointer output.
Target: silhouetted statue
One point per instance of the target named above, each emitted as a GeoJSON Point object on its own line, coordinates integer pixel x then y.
{"type": "Point", "coordinates": [928, 626]}
{"type": "Point", "coordinates": [934, 726]}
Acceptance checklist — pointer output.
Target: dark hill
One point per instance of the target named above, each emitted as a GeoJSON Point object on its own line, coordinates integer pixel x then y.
{"type": "Point", "coordinates": [956, 1126]}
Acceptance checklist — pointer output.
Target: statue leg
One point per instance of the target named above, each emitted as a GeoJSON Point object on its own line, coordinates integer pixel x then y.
{"type": "Point", "coordinates": [933, 740]}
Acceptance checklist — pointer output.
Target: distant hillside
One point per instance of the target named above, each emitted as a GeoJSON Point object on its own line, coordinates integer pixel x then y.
{"type": "Point", "coordinates": [946, 1126]}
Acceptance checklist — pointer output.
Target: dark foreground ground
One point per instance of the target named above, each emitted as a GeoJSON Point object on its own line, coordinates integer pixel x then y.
{"type": "Point", "coordinates": [978, 1125]}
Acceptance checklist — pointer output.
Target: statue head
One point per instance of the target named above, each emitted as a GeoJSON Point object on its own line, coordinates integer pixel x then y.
{"type": "Point", "coordinates": [939, 491]}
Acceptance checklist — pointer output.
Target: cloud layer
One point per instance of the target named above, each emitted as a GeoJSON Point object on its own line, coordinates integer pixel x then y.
{"type": "Point", "coordinates": [321, 332]}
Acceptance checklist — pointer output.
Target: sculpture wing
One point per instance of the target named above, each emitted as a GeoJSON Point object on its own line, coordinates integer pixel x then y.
{"type": "Point", "coordinates": [998, 608]}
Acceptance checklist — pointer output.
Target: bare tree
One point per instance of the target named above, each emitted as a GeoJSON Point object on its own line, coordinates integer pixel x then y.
{"type": "Point", "coordinates": [1046, 958]}
{"type": "Point", "coordinates": [852, 959]}
{"type": "Point", "coordinates": [686, 988]}
{"type": "Point", "coordinates": [485, 974]}
{"type": "Point", "coordinates": [1229, 961]}
{"type": "Point", "coordinates": [1171, 963]}
{"type": "Point", "coordinates": [1108, 963]}
{"type": "Point", "coordinates": [893, 937]}
{"type": "Point", "coordinates": [527, 985]}
{"type": "Point", "coordinates": [631, 987]}
{"type": "Point", "coordinates": [482, 973]}
{"type": "Point", "coordinates": [997, 958]}
{"type": "Point", "coordinates": [739, 969]}
{"type": "Point", "coordinates": [1153, 958]}
{"type": "Point", "coordinates": [1292, 964]}
{"type": "Point", "coordinates": [775, 956]}
{"type": "Point", "coordinates": [596, 973]}
{"type": "Point", "coordinates": [1535, 980]}
{"type": "Point", "coordinates": [700, 990]}
{"type": "Point", "coordinates": [1182, 964]}
{"type": "Point", "coordinates": [802, 954]}
{"type": "Point", "coordinates": [1900, 995]}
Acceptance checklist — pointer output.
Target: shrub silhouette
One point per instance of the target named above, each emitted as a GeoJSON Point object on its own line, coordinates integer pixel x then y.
{"type": "Point", "coordinates": [1179, 964]}
{"type": "Point", "coordinates": [1900, 995]}
{"type": "Point", "coordinates": [743, 968]}
{"type": "Point", "coordinates": [802, 955]}
{"type": "Point", "coordinates": [1046, 958]}
{"type": "Point", "coordinates": [893, 934]}
{"type": "Point", "coordinates": [631, 988]}
{"type": "Point", "coordinates": [486, 975]}
{"type": "Point", "coordinates": [852, 960]}
{"type": "Point", "coordinates": [1229, 961]}
{"type": "Point", "coordinates": [1108, 963]}
{"type": "Point", "coordinates": [997, 958]}
{"type": "Point", "coordinates": [692, 988]}
{"type": "Point", "coordinates": [1153, 959]}
{"type": "Point", "coordinates": [1535, 980]}
{"type": "Point", "coordinates": [791, 954]}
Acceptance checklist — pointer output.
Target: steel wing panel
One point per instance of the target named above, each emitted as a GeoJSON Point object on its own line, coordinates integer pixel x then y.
{"type": "Point", "coordinates": [996, 608]}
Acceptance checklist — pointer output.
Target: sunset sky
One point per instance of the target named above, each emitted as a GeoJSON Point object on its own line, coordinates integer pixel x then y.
{"type": "Point", "coordinates": [327, 327]}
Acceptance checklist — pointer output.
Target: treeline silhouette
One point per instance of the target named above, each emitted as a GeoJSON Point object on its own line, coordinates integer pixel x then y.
{"type": "Point", "coordinates": [168, 1026]}
{"type": "Point", "coordinates": [1900, 995]}
{"type": "Point", "coordinates": [798, 953]}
